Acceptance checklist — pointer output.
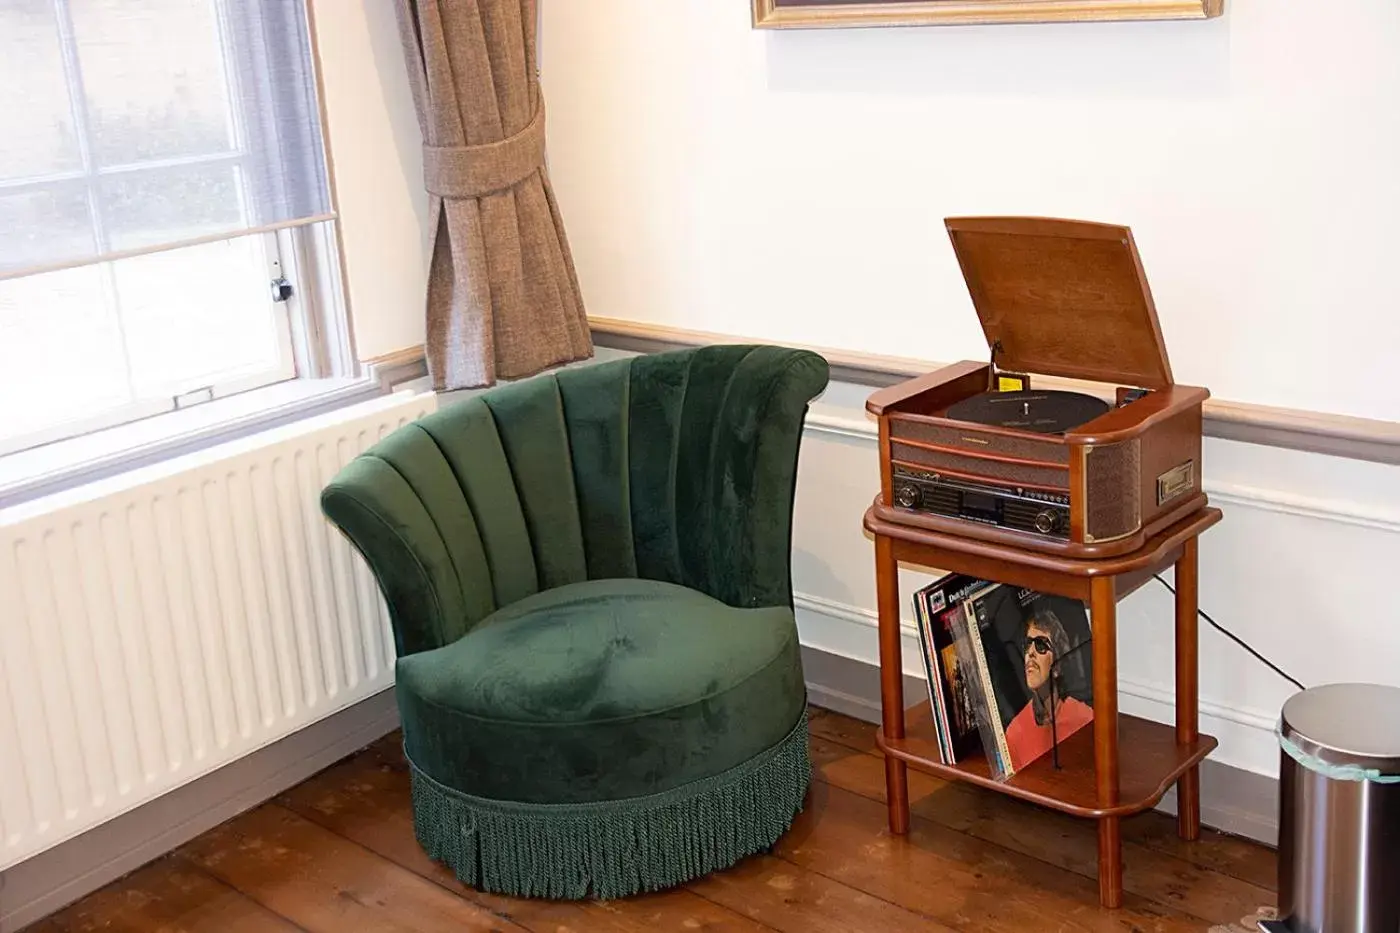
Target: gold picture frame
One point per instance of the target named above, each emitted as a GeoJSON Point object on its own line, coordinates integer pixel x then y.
{"type": "Point", "coordinates": [791, 14]}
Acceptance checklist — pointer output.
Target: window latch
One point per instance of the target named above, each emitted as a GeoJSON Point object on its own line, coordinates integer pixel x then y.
{"type": "Point", "coordinates": [193, 397]}
{"type": "Point", "coordinates": [281, 289]}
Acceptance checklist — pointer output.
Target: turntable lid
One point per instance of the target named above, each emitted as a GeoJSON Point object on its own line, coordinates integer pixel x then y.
{"type": "Point", "coordinates": [1064, 298]}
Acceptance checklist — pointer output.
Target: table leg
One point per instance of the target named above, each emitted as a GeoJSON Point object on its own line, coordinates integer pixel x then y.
{"type": "Point", "coordinates": [1110, 863]}
{"type": "Point", "coordinates": [1103, 620]}
{"type": "Point", "coordinates": [891, 681]}
{"type": "Point", "coordinates": [1188, 788]}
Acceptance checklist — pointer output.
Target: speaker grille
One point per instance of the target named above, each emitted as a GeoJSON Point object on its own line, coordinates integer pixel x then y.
{"type": "Point", "coordinates": [1051, 451]}
{"type": "Point", "coordinates": [939, 499]}
{"type": "Point", "coordinates": [1111, 485]}
{"type": "Point", "coordinates": [1012, 473]}
{"type": "Point", "coordinates": [1022, 516]}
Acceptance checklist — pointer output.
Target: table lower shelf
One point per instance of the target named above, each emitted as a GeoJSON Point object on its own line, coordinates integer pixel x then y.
{"type": "Point", "coordinates": [1149, 762]}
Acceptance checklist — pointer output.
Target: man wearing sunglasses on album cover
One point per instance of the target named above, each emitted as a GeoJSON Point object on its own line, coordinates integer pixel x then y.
{"type": "Point", "coordinates": [1029, 735]}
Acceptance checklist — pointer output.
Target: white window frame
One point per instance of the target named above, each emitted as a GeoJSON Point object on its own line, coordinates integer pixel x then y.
{"type": "Point", "coordinates": [311, 327]}
{"type": "Point", "coordinates": [285, 368]}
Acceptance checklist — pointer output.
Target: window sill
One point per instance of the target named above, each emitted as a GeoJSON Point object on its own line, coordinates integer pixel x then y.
{"type": "Point", "coordinates": [51, 468]}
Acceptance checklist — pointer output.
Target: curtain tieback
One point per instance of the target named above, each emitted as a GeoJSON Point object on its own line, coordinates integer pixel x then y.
{"type": "Point", "coordinates": [474, 171]}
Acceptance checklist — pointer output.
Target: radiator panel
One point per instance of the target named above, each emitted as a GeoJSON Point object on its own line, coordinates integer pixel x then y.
{"type": "Point", "coordinates": [177, 620]}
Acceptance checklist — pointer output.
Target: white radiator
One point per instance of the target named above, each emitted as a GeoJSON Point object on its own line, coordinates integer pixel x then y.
{"type": "Point", "coordinates": [161, 624]}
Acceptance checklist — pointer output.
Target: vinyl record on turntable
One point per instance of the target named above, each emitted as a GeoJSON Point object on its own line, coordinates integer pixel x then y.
{"type": "Point", "coordinates": [1039, 410]}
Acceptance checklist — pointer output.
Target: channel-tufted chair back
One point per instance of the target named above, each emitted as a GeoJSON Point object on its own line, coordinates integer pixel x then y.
{"type": "Point", "coordinates": [676, 466]}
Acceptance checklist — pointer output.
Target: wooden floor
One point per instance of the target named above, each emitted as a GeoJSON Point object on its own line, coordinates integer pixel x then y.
{"type": "Point", "coordinates": [337, 854]}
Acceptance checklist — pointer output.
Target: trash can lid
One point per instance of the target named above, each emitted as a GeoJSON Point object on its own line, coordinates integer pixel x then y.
{"type": "Point", "coordinates": [1346, 724]}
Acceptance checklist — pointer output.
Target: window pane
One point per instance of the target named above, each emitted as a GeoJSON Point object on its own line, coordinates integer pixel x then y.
{"type": "Point", "coordinates": [79, 344]}
{"type": "Point", "coordinates": [198, 316]}
{"type": "Point", "coordinates": [44, 225]}
{"type": "Point", "coordinates": [153, 73]}
{"type": "Point", "coordinates": [60, 351]}
{"type": "Point", "coordinates": [36, 122]}
{"type": "Point", "coordinates": [214, 97]}
{"type": "Point", "coordinates": [165, 205]}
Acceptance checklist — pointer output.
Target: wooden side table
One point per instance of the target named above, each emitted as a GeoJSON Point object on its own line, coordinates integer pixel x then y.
{"type": "Point", "coordinates": [1124, 765]}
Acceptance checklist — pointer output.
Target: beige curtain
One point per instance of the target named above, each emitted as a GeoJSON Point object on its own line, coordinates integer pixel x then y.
{"type": "Point", "coordinates": [503, 297]}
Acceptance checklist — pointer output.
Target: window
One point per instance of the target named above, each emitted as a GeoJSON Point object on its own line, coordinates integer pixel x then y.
{"type": "Point", "coordinates": [163, 204]}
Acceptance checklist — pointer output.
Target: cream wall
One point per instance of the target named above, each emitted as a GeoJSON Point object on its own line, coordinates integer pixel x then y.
{"type": "Point", "coordinates": [376, 155]}
{"type": "Point", "coordinates": [791, 186]}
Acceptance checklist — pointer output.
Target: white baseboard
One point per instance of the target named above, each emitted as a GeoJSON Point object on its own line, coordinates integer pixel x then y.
{"type": "Point", "coordinates": [56, 877]}
{"type": "Point", "coordinates": [848, 704]}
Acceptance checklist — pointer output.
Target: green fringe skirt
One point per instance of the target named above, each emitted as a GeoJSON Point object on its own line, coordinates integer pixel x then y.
{"type": "Point", "coordinates": [614, 848]}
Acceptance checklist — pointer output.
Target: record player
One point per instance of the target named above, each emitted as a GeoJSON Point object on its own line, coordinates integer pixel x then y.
{"type": "Point", "coordinates": [984, 450]}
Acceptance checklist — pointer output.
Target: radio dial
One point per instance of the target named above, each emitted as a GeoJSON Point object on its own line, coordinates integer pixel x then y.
{"type": "Point", "coordinates": [906, 495]}
{"type": "Point", "coordinates": [1047, 521]}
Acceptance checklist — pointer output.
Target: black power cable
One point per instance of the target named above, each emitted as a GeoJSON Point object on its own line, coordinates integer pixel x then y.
{"type": "Point", "coordinates": [1237, 640]}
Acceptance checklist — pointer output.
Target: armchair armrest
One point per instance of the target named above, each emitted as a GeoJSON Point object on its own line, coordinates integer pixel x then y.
{"type": "Point", "coordinates": [388, 524]}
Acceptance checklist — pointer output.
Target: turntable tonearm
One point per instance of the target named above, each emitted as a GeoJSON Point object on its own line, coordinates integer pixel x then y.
{"type": "Point", "coordinates": [1067, 472]}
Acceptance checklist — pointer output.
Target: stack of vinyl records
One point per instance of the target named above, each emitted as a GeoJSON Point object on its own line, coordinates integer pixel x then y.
{"type": "Point", "coordinates": [1009, 670]}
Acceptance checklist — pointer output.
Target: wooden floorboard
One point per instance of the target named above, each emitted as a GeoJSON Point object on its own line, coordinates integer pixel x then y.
{"type": "Point", "coordinates": [959, 880]}
{"type": "Point", "coordinates": [1166, 874]}
{"type": "Point", "coordinates": [1214, 851]}
{"type": "Point", "coordinates": [366, 800]}
{"type": "Point", "coordinates": [168, 894]}
{"type": "Point", "coordinates": [338, 853]}
{"type": "Point", "coordinates": [325, 883]}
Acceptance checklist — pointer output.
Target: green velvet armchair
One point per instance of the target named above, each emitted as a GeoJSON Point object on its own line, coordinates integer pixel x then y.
{"type": "Point", "coordinates": [587, 574]}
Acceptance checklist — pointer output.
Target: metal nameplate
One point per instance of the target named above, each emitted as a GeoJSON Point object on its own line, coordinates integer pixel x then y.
{"type": "Point", "coordinates": [1177, 480]}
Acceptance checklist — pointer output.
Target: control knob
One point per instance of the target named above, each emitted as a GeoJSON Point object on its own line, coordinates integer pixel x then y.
{"type": "Point", "coordinates": [1047, 521]}
{"type": "Point", "coordinates": [906, 495]}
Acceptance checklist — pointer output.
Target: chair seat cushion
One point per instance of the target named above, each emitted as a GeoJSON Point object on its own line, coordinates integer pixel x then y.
{"type": "Point", "coordinates": [601, 691]}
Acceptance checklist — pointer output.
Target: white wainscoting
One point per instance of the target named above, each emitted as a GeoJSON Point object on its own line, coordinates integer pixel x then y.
{"type": "Point", "coordinates": [172, 620]}
{"type": "Point", "coordinates": [1301, 568]}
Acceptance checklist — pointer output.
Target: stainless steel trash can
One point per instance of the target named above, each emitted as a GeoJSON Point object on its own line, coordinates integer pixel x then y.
{"type": "Point", "coordinates": [1339, 811]}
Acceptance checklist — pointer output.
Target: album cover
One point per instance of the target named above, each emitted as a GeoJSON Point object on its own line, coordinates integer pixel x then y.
{"type": "Point", "coordinates": [928, 653]}
{"type": "Point", "coordinates": [960, 679]}
{"type": "Point", "coordinates": [949, 682]}
{"type": "Point", "coordinates": [1033, 662]}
